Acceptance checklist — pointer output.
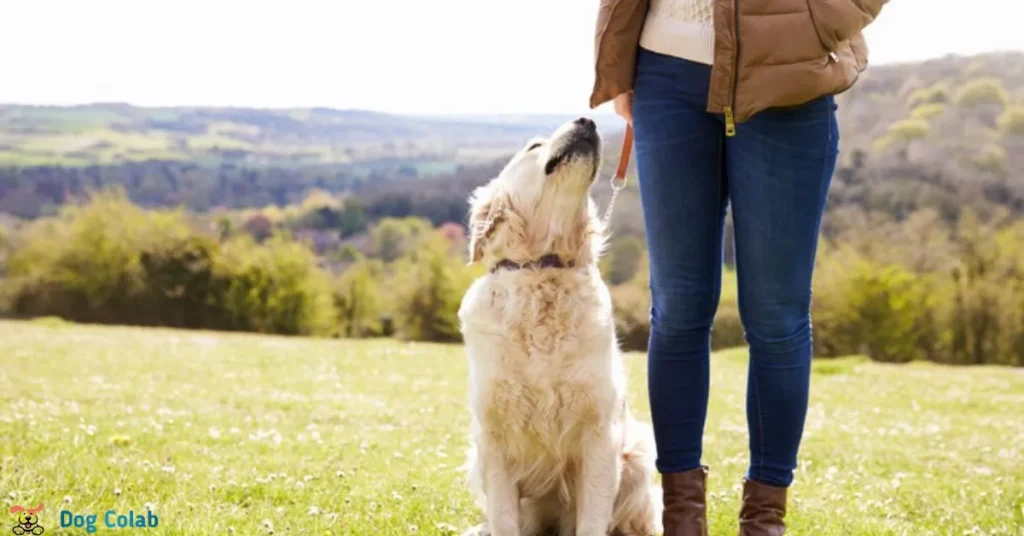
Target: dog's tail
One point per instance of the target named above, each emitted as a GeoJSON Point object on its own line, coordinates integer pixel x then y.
{"type": "Point", "coordinates": [638, 506]}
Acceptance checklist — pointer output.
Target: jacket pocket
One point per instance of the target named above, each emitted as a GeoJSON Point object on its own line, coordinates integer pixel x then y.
{"type": "Point", "coordinates": [826, 36]}
{"type": "Point", "coordinates": [837, 21]}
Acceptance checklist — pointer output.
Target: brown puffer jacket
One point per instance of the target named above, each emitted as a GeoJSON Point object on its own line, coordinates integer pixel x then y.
{"type": "Point", "coordinates": [768, 53]}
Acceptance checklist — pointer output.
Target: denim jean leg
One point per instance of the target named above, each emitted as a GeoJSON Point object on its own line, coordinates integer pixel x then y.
{"type": "Point", "coordinates": [780, 165]}
{"type": "Point", "coordinates": [679, 159]}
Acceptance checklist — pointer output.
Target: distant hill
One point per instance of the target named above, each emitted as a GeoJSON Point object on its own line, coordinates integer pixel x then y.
{"type": "Point", "coordinates": [114, 133]}
{"type": "Point", "coordinates": [944, 135]}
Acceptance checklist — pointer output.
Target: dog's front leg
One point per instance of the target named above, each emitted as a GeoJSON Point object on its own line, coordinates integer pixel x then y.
{"type": "Point", "coordinates": [502, 498]}
{"type": "Point", "coordinates": [598, 485]}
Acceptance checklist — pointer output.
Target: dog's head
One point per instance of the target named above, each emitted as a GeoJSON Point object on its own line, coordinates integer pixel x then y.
{"type": "Point", "coordinates": [27, 517]}
{"type": "Point", "coordinates": [540, 204]}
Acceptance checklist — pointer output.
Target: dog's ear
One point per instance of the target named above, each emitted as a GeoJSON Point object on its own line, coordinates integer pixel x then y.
{"type": "Point", "coordinates": [486, 210]}
{"type": "Point", "coordinates": [15, 509]}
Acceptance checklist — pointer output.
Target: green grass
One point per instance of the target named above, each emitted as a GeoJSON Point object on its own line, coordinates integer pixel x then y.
{"type": "Point", "coordinates": [223, 433]}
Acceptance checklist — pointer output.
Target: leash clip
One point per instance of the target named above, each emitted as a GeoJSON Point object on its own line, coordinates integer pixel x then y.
{"type": "Point", "coordinates": [618, 180]}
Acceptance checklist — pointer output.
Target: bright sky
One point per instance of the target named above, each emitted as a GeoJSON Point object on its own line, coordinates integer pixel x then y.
{"type": "Point", "coordinates": [406, 56]}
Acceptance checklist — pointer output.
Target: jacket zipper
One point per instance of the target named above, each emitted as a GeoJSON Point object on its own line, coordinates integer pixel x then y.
{"type": "Point", "coordinates": [730, 119]}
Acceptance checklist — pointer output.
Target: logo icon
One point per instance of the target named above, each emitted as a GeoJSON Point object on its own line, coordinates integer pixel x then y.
{"type": "Point", "coordinates": [28, 520]}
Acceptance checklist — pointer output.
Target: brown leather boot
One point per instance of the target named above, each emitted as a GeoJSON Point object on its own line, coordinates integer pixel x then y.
{"type": "Point", "coordinates": [763, 510]}
{"type": "Point", "coordinates": [685, 498]}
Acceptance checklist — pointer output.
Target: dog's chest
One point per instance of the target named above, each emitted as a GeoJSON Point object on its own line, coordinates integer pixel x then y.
{"type": "Point", "coordinates": [541, 357]}
{"type": "Point", "coordinates": [550, 317]}
{"type": "Point", "coordinates": [546, 382]}
{"type": "Point", "coordinates": [522, 409]}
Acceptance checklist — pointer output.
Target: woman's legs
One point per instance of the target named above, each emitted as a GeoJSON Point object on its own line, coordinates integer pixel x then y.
{"type": "Point", "coordinates": [680, 162]}
{"type": "Point", "coordinates": [779, 166]}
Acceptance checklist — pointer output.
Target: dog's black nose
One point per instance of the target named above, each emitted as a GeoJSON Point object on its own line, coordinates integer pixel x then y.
{"type": "Point", "coordinates": [587, 123]}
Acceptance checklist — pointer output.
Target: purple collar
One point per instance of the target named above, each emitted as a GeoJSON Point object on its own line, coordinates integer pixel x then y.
{"type": "Point", "coordinates": [547, 261]}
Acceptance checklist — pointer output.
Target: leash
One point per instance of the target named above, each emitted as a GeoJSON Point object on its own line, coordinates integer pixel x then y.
{"type": "Point", "coordinates": [618, 180]}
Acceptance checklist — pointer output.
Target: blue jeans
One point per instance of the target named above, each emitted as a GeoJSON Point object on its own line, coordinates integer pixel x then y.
{"type": "Point", "coordinates": [776, 172]}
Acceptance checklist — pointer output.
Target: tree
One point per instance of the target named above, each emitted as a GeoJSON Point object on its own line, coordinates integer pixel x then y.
{"type": "Point", "coordinates": [352, 219]}
{"type": "Point", "coordinates": [1012, 121]}
{"type": "Point", "coordinates": [909, 129]}
{"type": "Point", "coordinates": [259, 226]}
{"type": "Point", "coordinates": [982, 91]}
{"type": "Point", "coordinates": [358, 299]}
{"type": "Point", "coordinates": [429, 287]}
{"type": "Point", "coordinates": [392, 237]}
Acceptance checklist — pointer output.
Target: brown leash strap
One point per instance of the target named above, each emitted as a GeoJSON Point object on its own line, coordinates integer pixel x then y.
{"type": "Point", "coordinates": [627, 148]}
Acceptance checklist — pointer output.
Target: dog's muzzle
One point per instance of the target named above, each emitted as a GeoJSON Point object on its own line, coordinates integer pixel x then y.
{"type": "Point", "coordinates": [583, 142]}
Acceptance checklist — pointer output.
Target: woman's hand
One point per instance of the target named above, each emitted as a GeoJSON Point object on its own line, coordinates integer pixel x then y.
{"type": "Point", "coordinates": [624, 106]}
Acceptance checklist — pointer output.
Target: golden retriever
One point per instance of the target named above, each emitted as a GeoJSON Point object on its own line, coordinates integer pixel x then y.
{"type": "Point", "coordinates": [555, 448]}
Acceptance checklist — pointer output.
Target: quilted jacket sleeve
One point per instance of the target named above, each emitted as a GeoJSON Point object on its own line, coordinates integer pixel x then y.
{"type": "Point", "coordinates": [619, 23]}
{"type": "Point", "coordinates": [840, 20]}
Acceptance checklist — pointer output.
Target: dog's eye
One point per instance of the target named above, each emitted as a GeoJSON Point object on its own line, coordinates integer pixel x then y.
{"type": "Point", "coordinates": [534, 146]}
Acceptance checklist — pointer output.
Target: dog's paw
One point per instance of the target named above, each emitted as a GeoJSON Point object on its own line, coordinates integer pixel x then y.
{"type": "Point", "coordinates": [479, 530]}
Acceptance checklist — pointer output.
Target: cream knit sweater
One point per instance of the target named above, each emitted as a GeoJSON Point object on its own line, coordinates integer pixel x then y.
{"type": "Point", "coordinates": [681, 28]}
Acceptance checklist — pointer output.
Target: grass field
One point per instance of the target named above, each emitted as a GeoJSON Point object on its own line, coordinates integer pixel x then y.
{"type": "Point", "coordinates": [227, 433]}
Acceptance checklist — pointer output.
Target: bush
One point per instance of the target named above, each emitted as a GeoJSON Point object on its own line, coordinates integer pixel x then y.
{"type": "Point", "coordinates": [358, 298]}
{"type": "Point", "coordinates": [109, 261]}
{"type": "Point", "coordinates": [632, 310]}
{"type": "Point", "coordinates": [881, 311]}
{"type": "Point", "coordinates": [936, 94]}
{"type": "Point", "coordinates": [180, 288]}
{"type": "Point", "coordinates": [928, 111]}
{"type": "Point", "coordinates": [275, 288]}
{"type": "Point", "coordinates": [964, 304]}
{"type": "Point", "coordinates": [1012, 121]}
{"type": "Point", "coordinates": [993, 159]}
{"type": "Point", "coordinates": [322, 211]}
{"type": "Point", "coordinates": [727, 331]}
{"type": "Point", "coordinates": [391, 238]}
{"type": "Point", "coordinates": [981, 92]}
{"type": "Point", "coordinates": [882, 144]}
{"type": "Point", "coordinates": [319, 210]}
{"type": "Point", "coordinates": [259, 226]}
{"type": "Point", "coordinates": [429, 283]}
{"type": "Point", "coordinates": [352, 219]}
{"type": "Point", "coordinates": [85, 265]}
{"type": "Point", "coordinates": [909, 129]}
{"type": "Point", "coordinates": [985, 313]}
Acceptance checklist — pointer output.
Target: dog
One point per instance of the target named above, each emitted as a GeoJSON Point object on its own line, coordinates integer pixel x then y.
{"type": "Point", "coordinates": [28, 520]}
{"type": "Point", "coordinates": [555, 449]}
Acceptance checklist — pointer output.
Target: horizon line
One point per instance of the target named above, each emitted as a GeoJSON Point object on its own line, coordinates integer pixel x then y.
{"type": "Point", "coordinates": [582, 110]}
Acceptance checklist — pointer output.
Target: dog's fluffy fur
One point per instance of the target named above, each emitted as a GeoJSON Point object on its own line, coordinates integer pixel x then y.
{"type": "Point", "coordinates": [555, 448]}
